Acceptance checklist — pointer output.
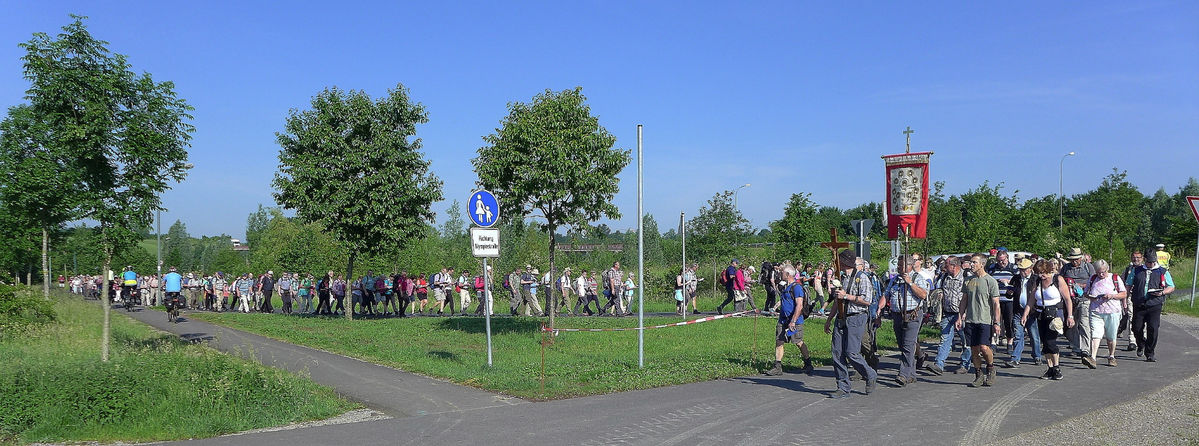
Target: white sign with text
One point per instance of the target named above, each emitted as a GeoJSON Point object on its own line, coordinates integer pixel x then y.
{"type": "Point", "coordinates": [485, 242]}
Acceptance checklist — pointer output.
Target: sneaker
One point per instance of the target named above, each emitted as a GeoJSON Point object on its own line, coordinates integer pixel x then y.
{"type": "Point", "coordinates": [1132, 346]}
{"type": "Point", "coordinates": [870, 385]}
{"type": "Point", "coordinates": [839, 395]}
{"type": "Point", "coordinates": [1048, 373]}
{"type": "Point", "coordinates": [990, 378]}
{"type": "Point", "coordinates": [1140, 351]}
{"type": "Point", "coordinates": [1088, 361]}
{"type": "Point", "coordinates": [1057, 373]}
{"type": "Point", "coordinates": [935, 369]}
{"type": "Point", "coordinates": [901, 381]}
{"type": "Point", "coordinates": [978, 379]}
{"type": "Point", "coordinates": [1150, 359]}
{"type": "Point", "coordinates": [1111, 361]}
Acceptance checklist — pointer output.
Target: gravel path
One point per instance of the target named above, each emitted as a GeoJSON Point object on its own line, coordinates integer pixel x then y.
{"type": "Point", "coordinates": [1167, 416]}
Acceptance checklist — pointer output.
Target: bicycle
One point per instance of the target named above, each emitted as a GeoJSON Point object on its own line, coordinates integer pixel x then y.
{"type": "Point", "coordinates": [173, 302]}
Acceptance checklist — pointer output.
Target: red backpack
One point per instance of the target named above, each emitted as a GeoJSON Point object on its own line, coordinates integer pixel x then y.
{"type": "Point", "coordinates": [478, 282]}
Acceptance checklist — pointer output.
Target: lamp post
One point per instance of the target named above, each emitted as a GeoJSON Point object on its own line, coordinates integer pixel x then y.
{"type": "Point", "coordinates": [1061, 198]}
{"type": "Point", "coordinates": [743, 186]}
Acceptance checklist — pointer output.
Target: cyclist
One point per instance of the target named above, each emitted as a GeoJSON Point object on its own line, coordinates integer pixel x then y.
{"type": "Point", "coordinates": [129, 283]}
{"type": "Point", "coordinates": [172, 284]}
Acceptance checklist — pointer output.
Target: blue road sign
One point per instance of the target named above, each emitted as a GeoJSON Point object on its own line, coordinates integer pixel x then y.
{"type": "Point", "coordinates": [483, 208]}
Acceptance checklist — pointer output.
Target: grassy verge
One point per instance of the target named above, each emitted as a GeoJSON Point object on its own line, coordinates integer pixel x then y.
{"type": "Point", "coordinates": [576, 364]}
{"type": "Point", "coordinates": [53, 387]}
{"type": "Point", "coordinates": [1181, 304]}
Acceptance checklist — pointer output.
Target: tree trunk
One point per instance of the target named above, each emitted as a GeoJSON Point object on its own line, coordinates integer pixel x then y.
{"type": "Point", "coordinates": [349, 297]}
{"type": "Point", "coordinates": [549, 292]}
{"type": "Point", "coordinates": [28, 277]}
{"type": "Point", "coordinates": [106, 302]}
{"type": "Point", "coordinates": [45, 264]}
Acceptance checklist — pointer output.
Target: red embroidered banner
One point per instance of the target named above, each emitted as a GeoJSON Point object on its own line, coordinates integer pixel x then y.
{"type": "Point", "coordinates": [907, 194]}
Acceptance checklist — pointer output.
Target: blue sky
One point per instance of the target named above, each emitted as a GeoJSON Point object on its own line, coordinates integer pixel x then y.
{"type": "Point", "coordinates": [788, 96]}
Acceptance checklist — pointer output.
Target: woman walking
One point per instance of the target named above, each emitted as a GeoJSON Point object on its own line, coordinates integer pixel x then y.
{"type": "Point", "coordinates": [1106, 293]}
{"type": "Point", "coordinates": [1054, 311]}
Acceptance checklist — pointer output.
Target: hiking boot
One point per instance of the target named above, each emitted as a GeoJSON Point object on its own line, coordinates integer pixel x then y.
{"type": "Point", "coordinates": [990, 379]}
{"type": "Point", "coordinates": [901, 381]}
{"type": "Point", "coordinates": [777, 370]}
{"type": "Point", "coordinates": [978, 378]}
{"type": "Point", "coordinates": [1057, 373]}
{"type": "Point", "coordinates": [935, 369]}
{"type": "Point", "coordinates": [1048, 373]}
{"type": "Point", "coordinates": [1088, 361]}
{"type": "Point", "coordinates": [870, 385]}
{"type": "Point", "coordinates": [807, 367]}
{"type": "Point", "coordinates": [1111, 361]}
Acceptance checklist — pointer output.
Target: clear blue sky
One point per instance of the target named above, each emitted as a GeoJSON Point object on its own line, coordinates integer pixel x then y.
{"type": "Point", "coordinates": [788, 96]}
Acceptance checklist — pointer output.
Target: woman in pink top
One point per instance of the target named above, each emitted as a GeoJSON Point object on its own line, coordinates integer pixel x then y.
{"type": "Point", "coordinates": [1106, 292]}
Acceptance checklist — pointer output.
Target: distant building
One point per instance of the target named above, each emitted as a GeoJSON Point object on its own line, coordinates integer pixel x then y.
{"type": "Point", "coordinates": [237, 246]}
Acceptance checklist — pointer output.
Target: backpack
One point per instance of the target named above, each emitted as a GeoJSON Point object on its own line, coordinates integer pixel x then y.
{"type": "Point", "coordinates": [478, 282]}
{"type": "Point", "coordinates": [724, 277]}
{"type": "Point", "coordinates": [606, 278]}
{"type": "Point", "coordinates": [507, 286]}
{"type": "Point", "coordinates": [807, 305]}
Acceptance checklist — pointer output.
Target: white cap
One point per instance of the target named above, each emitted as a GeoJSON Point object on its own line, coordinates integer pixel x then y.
{"type": "Point", "coordinates": [1160, 245]}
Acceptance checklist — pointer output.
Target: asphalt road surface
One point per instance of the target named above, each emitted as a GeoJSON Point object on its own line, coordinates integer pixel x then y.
{"type": "Point", "coordinates": [753, 410]}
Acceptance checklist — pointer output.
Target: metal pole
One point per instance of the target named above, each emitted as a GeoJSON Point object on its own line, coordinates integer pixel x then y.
{"type": "Point", "coordinates": [1195, 271]}
{"type": "Point", "coordinates": [640, 261]}
{"type": "Point", "coordinates": [487, 312]}
{"type": "Point", "coordinates": [1061, 198]}
{"type": "Point", "coordinates": [683, 272]}
{"type": "Point", "coordinates": [159, 254]}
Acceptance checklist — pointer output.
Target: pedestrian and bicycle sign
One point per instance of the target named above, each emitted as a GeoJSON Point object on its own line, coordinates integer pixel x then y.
{"type": "Point", "coordinates": [483, 208]}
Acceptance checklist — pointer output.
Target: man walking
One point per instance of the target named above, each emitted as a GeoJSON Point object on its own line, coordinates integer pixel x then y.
{"type": "Point", "coordinates": [729, 279]}
{"type": "Point", "coordinates": [980, 306]}
{"type": "Point", "coordinates": [1077, 273]}
{"type": "Point", "coordinates": [849, 325]}
{"type": "Point", "coordinates": [613, 290]}
{"type": "Point", "coordinates": [266, 286]}
{"type": "Point", "coordinates": [907, 312]}
{"type": "Point", "coordinates": [1003, 270]}
{"type": "Point", "coordinates": [1138, 260]}
{"type": "Point", "coordinates": [245, 289]}
{"type": "Point", "coordinates": [514, 291]}
{"type": "Point", "coordinates": [790, 328]}
{"type": "Point", "coordinates": [527, 280]}
{"type": "Point", "coordinates": [1151, 285]}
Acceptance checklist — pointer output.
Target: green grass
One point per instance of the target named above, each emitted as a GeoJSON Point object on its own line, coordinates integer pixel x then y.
{"type": "Point", "coordinates": [53, 387]}
{"type": "Point", "coordinates": [576, 364]}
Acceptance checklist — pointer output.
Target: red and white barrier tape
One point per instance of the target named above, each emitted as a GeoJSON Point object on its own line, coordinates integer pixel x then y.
{"type": "Point", "coordinates": [676, 324]}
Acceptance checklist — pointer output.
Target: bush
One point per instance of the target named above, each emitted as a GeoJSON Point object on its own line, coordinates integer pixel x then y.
{"type": "Point", "coordinates": [21, 308]}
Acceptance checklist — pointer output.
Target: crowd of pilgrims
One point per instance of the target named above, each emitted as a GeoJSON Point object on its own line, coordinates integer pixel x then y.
{"type": "Point", "coordinates": [979, 302]}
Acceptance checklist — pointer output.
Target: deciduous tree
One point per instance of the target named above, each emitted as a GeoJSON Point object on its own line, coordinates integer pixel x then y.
{"type": "Point", "coordinates": [354, 165]}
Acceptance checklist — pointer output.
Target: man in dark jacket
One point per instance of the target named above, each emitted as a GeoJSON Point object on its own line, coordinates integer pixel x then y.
{"type": "Point", "coordinates": [1151, 284]}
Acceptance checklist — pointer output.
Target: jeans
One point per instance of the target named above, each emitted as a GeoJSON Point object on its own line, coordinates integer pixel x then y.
{"type": "Point", "coordinates": [1079, 337]}
{"type": "Point", "coordinates": [847, 350]}
{"type": "Point", "coordinates": [1033, 332]}
{"type": "Point", "coordinates": [948, 331]}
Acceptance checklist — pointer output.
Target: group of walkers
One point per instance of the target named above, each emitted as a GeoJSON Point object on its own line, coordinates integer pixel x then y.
{"type": "Point", "coordinates": [983, 301]}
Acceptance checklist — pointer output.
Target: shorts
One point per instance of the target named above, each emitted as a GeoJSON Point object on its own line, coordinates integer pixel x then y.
{"type": "Point", "coordinates": [438, 294]}
{"type": "Point", "coordinates": [780, 334]}
{"type": "Point", "coordinates": [1104, 325]}
{"type": "Point", "coordinates": [422, 296]}
{"type": "Point", "coordinates": [977, 334]}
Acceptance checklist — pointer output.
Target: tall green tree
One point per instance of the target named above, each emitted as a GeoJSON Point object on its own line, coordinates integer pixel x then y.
{"type": "Point", "coordinates": [1109, 204]}
{"type": "Point", "coordinates": [717, 229]}
{"type": "Point", "coordinates": [798, 234]}
{"type": "Point", "coordinates": [178, 247]}
{"type": "Point", "coordinates": [354, 165]}
{"type": "Point", "coordinates": [550, 158]}
{"type": "Point", "coordinates": [37, 180]}
{"type": "Point", "coordinates": [126, 134]}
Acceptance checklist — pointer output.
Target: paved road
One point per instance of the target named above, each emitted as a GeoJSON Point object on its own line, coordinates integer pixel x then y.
{"type": "Point", "coordinates": [793, 409]}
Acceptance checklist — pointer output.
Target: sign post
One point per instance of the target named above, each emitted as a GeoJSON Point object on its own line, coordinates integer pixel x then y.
{"type": "Point", "coordinates": [484, 210]}
{"type": "Point", "coordinates": [1194, 202]}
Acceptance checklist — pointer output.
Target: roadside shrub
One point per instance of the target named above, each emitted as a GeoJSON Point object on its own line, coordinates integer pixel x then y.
{"type": "Point", "coordinates": [21, 308]}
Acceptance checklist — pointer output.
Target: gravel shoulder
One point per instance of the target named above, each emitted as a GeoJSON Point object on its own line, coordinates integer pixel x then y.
{"type": "Point", "coordinates": [1167, 416]}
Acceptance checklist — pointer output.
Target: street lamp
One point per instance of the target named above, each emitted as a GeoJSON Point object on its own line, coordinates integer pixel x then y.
{"type": "Point", "coordinates": [1061, 198]}
{"type": "Point", "coordinates": [743, 186]}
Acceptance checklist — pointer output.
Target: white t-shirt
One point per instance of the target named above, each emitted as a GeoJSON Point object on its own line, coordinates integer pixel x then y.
{"type": "Point", "coordinates": [1048, 297]}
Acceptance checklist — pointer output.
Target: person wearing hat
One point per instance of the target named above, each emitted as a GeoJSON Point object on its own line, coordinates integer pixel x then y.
{"type": "Point", "coordinates": [730, 278]}
{"type": "Point", "coordinates": [191, 288]}
{"type": "Point", "coordinates": [849, 326]}
{"type": "Point", "coordinates": [1151, 284]}
{"type": "Point", "coordinates": [286, 284]}
{"type": "Point", "coordinates": [1018, 292]}
{"type": "Point", "coordinates": [1163, 257]}
{"type": "Point", "coordinates": [1077, 272]}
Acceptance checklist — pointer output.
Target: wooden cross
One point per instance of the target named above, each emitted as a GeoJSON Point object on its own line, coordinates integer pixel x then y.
{"type": "Point", "coordinates": [835, 245]}
{"type": "Point", "coordinates": [908, 133]}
